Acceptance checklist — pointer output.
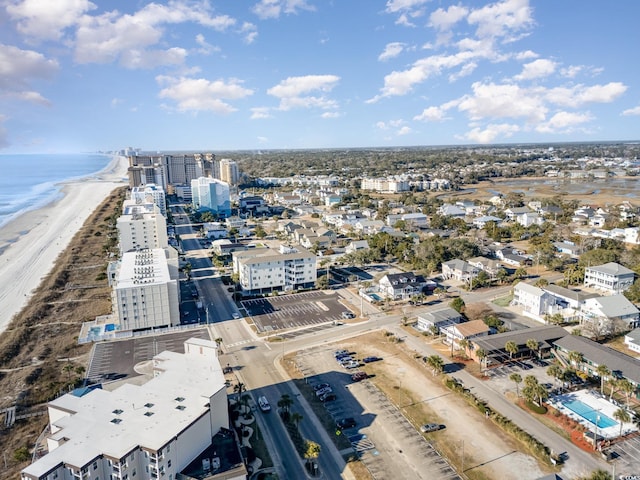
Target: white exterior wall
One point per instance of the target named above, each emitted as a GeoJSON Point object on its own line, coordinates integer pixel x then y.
{"type": "Point", "coordinates": [607, 282]}
{"type": "Point", "coordinates": [283, 272]}
{"type": "Point", "coordinates": [140, 231]}
{"type": "Point", "coordinates": [152, 192]}
{"type": "Point", "coordinates": [147, 306]}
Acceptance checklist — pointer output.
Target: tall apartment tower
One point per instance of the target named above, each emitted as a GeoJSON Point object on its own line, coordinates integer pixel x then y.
{"type": "Point", "coordinates": [146, 291]}
{"type": "Point", "coordinates": [150, 193]}
{"type": "Point", "coordinates": [141, 226]}
{"type": "Point", "coordinates": [211, 194]}
{"type": "Point", "coordinates": [229, 171]}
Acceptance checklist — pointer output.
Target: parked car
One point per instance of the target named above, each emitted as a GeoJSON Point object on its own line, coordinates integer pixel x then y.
{"type": "Point", "coordinates": [264, 404]}
{"type": "Point", "coordinates": [346, 315]}
{"type": "Point", "coordinates": [322, 391]}
{"type": "Point", "coordinates": [371, 359]}
{"type": "Point", "coordinates": [328, 397]}
{"type": "Point", "coordinates": [345, 359]}
{"type": "Point", "coordinates": [345, 423]}
{"type": "Point", "coordinates": [430, 427]}
{"type": "Point", "coordinates": [359, 376]}
{"type": "Point", "coordinates": [338, 353]}
{"type": "Point", "coordinates": [320, 386]}
{"type": "Point", "coordinates": [351, 364]}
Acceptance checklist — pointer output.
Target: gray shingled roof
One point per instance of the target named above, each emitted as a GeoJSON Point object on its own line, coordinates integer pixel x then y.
{"type": "Point", "coordinates": [616, 306]}
{"type": "Point", "coordinates": [598, 354]}
{"type": "Point", "coordinates": [545, 335]}
{"type": "Point", "coordinates": [558, 291]}
{"type": "Point", "coordinates": [611, 268]}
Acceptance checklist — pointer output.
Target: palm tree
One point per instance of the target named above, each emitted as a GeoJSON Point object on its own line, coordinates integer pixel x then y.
{"type": "Point", "coordinates": [239, 389]}
{"type": "Point", "coordinates": [511, 348]}
{"type": "Point", "coordinates": [576, 358]}
{"type": "Point", "coordinates": [627, 388]}
{"type": "Point", "coordinates": [464, 344]}
{"type": "Point", "coordinates": [533, 345]}
{"type": "Point", "coordinates": [284, 404]}
{"type": "Point", "coordinates": [218, 343]}
{"type": "Point", "coordinates": [622, 416]}
{"type": "Point", "coordinates": [515, 377]}
{"type": "Point", "coordinates": [603, 371]}
{"type": "Point", "coordinates": [554, 371]}
{"type": "Point", "coordinates": [481, 353]}
{"type": "Point", "coordinates": [296, 418]}
{"type": "Point", "coordinates": [312, 452]}
{"type": "Point", "coordinates": [436, 363]}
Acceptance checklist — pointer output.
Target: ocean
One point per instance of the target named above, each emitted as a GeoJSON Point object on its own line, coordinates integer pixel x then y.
{"type": "Point", "coordinates": [28, 182]}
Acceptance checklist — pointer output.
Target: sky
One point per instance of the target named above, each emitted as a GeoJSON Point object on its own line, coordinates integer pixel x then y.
{"type": "Point", "coordinates": [80, 75]}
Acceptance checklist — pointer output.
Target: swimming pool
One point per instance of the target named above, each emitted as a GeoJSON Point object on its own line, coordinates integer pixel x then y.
{"type": "Point", "coordinates": [376, 297]}
{"type": "Point", "coordinates": [589, 414]}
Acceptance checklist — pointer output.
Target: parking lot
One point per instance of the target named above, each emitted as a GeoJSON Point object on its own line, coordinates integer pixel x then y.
{"type": "Point", "coordinates": [275, 314]}
{"type": "Point", "coordinates": [386, 442]}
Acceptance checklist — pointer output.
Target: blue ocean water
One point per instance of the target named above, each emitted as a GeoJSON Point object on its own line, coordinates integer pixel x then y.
{"type": "Point", "coordinates": [28, 182]}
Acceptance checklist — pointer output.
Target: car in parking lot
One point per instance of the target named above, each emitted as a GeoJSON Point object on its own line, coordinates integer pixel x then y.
{"type": "Point", "coordinates": [430, 427]}
{"type": "Point", "coordinates": [344, 423]}
{"type": "Point", "coordinates": [345, 359]}
{"type": "Point", "coordinates": [320, 386]}
{"type": "Point", "coordinates": [322, 391]}
{"type": "Point", "coordinates": [371, 359]}
{"type": "Point", "coordinates": [351, 364]}
{"type": "Point", "coordinates": [338, 353]}
{"type": "Point", "coordinates": [328, 397]}
{"type": "Point", "coordinates": [346, 315]}
{"type": "Point", "coordinates": [539, 362]}
{"type": "Point", "coordinates": [359, 376]}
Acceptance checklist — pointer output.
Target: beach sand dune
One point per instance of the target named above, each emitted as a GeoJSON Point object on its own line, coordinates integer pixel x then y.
{"type": "Point", "coordinates": [30, 244]}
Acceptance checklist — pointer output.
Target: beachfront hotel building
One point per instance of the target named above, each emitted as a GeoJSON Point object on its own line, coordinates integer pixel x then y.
{"type": "Point", "coordinates": [150, 192]}
{"type": "Point", "coordinates": [169, 170]}
{"type": "Point", "coordinates": [262, 270]}
{"type": "Point", "coordinates": [162, 429]}
{"type": "Point", "coordinates": [229, 171]}
{"type": "Point", "coordinates": [211, 194]}
{"type": "Point", "coordinates": [141, 226]}
{"type": "Point", "coordinates": [146, 293]}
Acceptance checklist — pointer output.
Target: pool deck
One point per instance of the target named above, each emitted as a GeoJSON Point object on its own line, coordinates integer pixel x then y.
{"type": "Point", "coordinates": [597, 403]}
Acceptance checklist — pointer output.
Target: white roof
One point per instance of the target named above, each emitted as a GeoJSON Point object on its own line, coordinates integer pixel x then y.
{"type": "Point", "coordinates": [143, 267]}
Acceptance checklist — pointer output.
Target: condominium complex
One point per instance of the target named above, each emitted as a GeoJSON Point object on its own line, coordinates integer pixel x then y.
{"type": "Point", "coordinates": [262, 270]}
{"type": "Point", "coordinates": [610, 277]}
{"type": "Point", "coordinates": [150, 192]}
{"type": "Point", "coordinates": [145, 292]}
{"type": "Point", "coordinates": [141, 226]}
{"type": "Point", "coordinates": [169, 171]}
{"type": "Point", "coordinates": [210, 194]}
{"type": "Point", "coordinates": [160, 429]}
{"type": "Point", "coordinates": [229, 171]}
{"type": "Point", "coordinates": [385, 185]}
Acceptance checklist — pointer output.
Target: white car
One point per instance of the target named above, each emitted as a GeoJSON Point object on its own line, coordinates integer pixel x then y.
{"type": "Point", "coordinates": [236, 315]}
{"type": "Point", "coordinates": [263, 403]}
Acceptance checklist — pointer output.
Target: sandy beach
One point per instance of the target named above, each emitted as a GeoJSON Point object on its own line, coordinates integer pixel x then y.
{"type": "Point", "coordinates": [31, 243]}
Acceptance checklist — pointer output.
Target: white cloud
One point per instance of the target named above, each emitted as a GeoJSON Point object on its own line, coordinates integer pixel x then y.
{"type": "Point", "coordinates": [404, 131]}
{"type": "Point", "coordinates": [116, 102]}
{"type": "Point", "coordinates": [571, 71]}
{"type": "Point", "coordinates": [47, 19]}
{"type": "Point", "coordinates": [503, 101]}
{"type": "Point", "coordinates": [536, 69]}
{"type": "Point", "coordinates": [444, 19]}
{"type": "Point", "coordinates": [331, 115]}
{"type": "Point", "coordinates": [260, 113]}
{"type": "Point", "coordinates": [491, 132]}
{"type": "Point", "coordinates": [632, 111]}
{"type": "Point", "coordinates": [128, 38]}
{"type": "Point", "coordinates": [18, 68]}
{"type": "Point", "coordinates": [293, 92]}
{"type": "Point", "coordinates": [526, 55]}
{"type": "Point", "coordinates": [391, 50]}
{"type": "Point", "coordinates": [199, 94]}
{"type": "Point", "coordinates": [4, 142]}
{"type": "Point", "coordinates": [205, 47]}
{"type": "Point", "coordinates": [31, 97]}
{"type": "Point", "coordinates": [465, 71]}
{"type": "Point", "coordinates": [431, 114]}
{"type": "Point", "coordinates": [563, 122]}
{"type": "Point", "coordinates": [250, 32]}
{"type": "Point", "coordinates": [502, 19]}
{"type": "Point", "coordinates": [274, 8]}
{"type": "Point", "coordinates": [394, 6]}
{"type": "Point", "coordinates": [578, 95]}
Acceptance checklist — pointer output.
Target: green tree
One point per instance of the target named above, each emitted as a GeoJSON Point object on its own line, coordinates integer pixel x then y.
{"type": "Point", "coordinates": [576, 358]}
{"type": "Point", "coordinates": [603, 372]}
{"type": "Point", "coordinates": [457, 304]}
{"type": "Point", "coordinates": [622, 416]}
{"type": "Point", "coordinates": [533, 345]}
{"type": "Point", "coordinates": [436, 363]}
{"type": "Point", "coordinates": [554, 371]}
{"type": "Point", "coordinates": [187, 270]}
{"type": "Point", "coordinates": [284, 404]}
{"type": "Point", "coordinates": [520, 272]}
{"type": "Point", "coordinates": [296, 418]}
{"type": "Point", "coordinates": [511, 348]}
{"type": "Point", "coordinates": [481, 353]}
{"type": "Point", "coordinates": [323, 282]}
{"type": "Point", "coordinates": [312, 452]}
{"type": "Point", "coordinates": [516, 378]}
{"type": "Point", "coordinates": [627, 388]}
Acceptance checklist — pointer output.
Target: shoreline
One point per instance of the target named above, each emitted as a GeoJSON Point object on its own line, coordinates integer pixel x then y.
{"type": "Point", "coordinates": [31, 243]}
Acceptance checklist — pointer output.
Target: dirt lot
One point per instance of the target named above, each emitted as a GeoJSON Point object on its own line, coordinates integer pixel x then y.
{"type": "Point", "coordinates": [422, 398]}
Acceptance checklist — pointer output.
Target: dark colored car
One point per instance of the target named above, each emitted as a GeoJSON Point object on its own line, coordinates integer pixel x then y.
{"type": "Point", "coordinates": [328, 397]}
{"type": "Point", "coordinates": [359, 376]}
{"type": "Point", "coordinates": [345, 423]}
{"type": "Point", "coordinates": [320, 386]}
{"type": "Point", "coordinates": [371, 359]}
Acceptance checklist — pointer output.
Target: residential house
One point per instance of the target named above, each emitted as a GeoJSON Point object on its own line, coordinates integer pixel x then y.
{"type": "Point", "coordinates": [368, 227]}
{"type": "Point", "coordinates": [513, 212]}
{"type": "Point", "coordinates": [448, 210]}
{"type": "Point", "coordinates": [357, 245]}
{"type": "Point", "coordinates": [511, 256]}
{"type": "Point", "coordinates": [415, 220]}
{"type": "Point", "coordinates": [632, 340]}
{"type": "Point", "coordinates": [459, 270]}
{"type": "Point", "coordinates": [488, 265]}
{"type": "Point", "coordinates": [428, 321]}
{"type": "Point", "coordinates": [602, 316]}
{"type": "Point", "coordinates": [567, 302]}
{"type": "Point", "coordinates": [535, 302]}
{"type": "Point", "coordinates": [401, 285]}
{"type": "Point", "coordinates": [568, 248]}
{"type": "Point", "coordinates": [610, 277]}
{"type": "Point", "coordinates": [481, 222]}
{"type": "Point", "coordinates": [529, 218]}
{"type": "Point", "coordinates": [469, 331]}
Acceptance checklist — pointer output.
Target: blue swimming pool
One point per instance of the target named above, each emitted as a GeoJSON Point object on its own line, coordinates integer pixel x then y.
{"type": "Point", "coordinates": [376, 297]}
{"type": "Point", "coordinates": [589, 414]}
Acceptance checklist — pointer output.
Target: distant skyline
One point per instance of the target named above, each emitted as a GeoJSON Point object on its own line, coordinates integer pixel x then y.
{"type": "Point", "coordinates": [221, 75]}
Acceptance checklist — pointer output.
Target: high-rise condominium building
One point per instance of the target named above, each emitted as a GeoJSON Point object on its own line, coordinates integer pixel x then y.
{"type": "Point", "coordinates": [156, 430]}
{"type": "Point", "coordinates": [141, 226]}
{"type": "Point", "coordinates": [210, 194]}
{"type": "Point", "coordinates": [146, 291]}
{"type": "Point", "coordinates": [150, 192]}
{"type": "Point", "coordinates": [229, 171]}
